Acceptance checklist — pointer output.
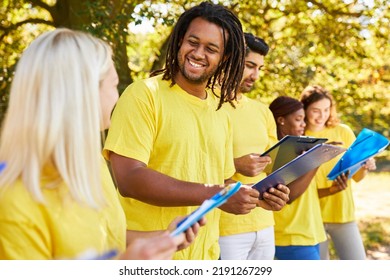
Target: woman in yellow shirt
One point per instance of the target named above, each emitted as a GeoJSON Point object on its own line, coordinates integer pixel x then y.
{"type": "Point", "coordinates": [298, 226]}
{"type": "Point", "coordinates": [57, 198]}
{"type": "Point", "coordinates": [336, 201]}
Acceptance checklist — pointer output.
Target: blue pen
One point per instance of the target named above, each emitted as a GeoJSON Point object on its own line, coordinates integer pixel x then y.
{"type": "Point", "coordinates": [2, 166]}
{"type": "Point", "coordinates": [107, 255]}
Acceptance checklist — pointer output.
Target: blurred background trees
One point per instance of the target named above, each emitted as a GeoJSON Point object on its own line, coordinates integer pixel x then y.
{"type": "Point", "coordinates": [342, 45]}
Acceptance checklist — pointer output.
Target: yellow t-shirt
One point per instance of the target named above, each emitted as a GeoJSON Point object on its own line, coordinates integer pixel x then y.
{"type": "Point", "coordinates": [181, 136]}
{"type": "Point", "coordinates": [254, 131]}
{"type": "Point", "coordinates": [62, 228]}
{"type": "Point", "coordinates": [300, 223]}
{"type": "Point", "coordinates": [340, 207]}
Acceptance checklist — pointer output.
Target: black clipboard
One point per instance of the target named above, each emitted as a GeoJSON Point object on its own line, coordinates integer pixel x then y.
{"type": "Point", "coordinates": [288, 148]}
{"type": "Point", "coordinates": [367, 144]}
{"type": "Point", "coordinates": [299, 166]}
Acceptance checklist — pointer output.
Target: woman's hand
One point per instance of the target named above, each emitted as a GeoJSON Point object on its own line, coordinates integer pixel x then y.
{"type": "Point", "coordinates": [275, 198]}
{"type": "Point", "coordinates": [190, 234]}
{"type": "Point", "coordinates": [339, 184]}
{"type": "Point", "coordinates": [370, 164]}
{"type": "Point", "coordinates": [159, 247]}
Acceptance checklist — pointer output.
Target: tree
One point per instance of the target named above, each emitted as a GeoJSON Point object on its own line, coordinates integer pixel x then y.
{"type": "Point", "coordinates": [105, 19]}
{"type": "Point", "coordinates": [342, 45]}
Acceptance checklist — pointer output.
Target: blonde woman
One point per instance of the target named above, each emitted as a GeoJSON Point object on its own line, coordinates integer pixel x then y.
{"type": "Point", "coordinates": [57, 198]}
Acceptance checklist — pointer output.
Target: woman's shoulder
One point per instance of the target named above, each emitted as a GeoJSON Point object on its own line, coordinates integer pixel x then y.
{"type": "Point", "coordinates": [345, 133]}
{"type": "Point", "coordinates": [343, 127]}
{"type": "Point", "coordinates": [15, 199]}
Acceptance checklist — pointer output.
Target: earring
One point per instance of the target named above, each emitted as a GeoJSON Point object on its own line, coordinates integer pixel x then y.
{"type": "Point", "coordinates": [282, 123]}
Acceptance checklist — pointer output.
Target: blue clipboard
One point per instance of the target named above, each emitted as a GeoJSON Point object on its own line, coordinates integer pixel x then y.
{"type": "Point", "coordinates": [208, 205]}
{"type": "Point", "coordinates": [2, 166]}
{"type": "Point", "coordinates": [367, 144]}
{"type": "Point", "coordinates": [299, 166]}
{"type": "Point", "coordinates": [288, 148]}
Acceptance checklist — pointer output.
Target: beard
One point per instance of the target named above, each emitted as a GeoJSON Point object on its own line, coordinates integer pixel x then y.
{"type": "Point", "coordinates": [195, 78]}
{"type": "Point", "coordinates": [245, 89]}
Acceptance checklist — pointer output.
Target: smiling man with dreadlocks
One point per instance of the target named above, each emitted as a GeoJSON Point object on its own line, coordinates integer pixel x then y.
{"type": "Point", "coordinates": [170, 144]}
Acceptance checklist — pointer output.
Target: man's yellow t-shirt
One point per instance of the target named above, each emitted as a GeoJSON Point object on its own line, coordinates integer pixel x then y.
{"type": "Point", "coordinates": [179, 135]}
{"type": "Point", "coordinates": [254, 131]}
{"type": "Point", "coordinates": [61, 228]}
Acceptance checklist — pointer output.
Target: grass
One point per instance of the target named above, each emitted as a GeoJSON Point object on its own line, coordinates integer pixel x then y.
{"type": "Point", "coordinates": [375, 233]}
{"type": "Point", "coordinates": [372, 199]}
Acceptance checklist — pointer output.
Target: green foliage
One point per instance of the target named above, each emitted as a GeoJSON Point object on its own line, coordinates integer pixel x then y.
{"type": "Point", "coordinates": [14, 39]}
{"type": "Point", "coordinates": [341, 45]}
{"type": "Point", "coordinates": [337, 45]}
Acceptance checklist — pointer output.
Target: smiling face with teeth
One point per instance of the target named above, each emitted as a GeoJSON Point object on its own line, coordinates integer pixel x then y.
{"type": "Point", "coordinates": [200, 53]}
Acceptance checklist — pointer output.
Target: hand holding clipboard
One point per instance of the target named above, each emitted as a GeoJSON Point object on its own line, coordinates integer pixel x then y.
{"type": "Point", "coordinates": [299, 166]}
{"type": "Point", "coordinates": [366, 145]}
{"type": "Point", "coordinates": [208, 205]}
{"type": "Point", "coordinates": [288, 148]}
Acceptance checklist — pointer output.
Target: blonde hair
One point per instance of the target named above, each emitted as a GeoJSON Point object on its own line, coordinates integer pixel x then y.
{"type": "Point", "coordinates": [54, 114]}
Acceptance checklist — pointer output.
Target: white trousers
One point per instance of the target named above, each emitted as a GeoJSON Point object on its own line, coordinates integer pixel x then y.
{"type": "Point", "coordinates": [257, 245]}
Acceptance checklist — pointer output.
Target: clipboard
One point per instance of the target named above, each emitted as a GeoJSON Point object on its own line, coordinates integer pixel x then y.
{"type": "Point", "coordinates": [367, 144]}
{"type": "Point", "coordinates": [288, 148]}
{"type": "Point", "coordinates": [208, 205]}
{"type": "Point", "coordinates": [2, 166]}
{"type": "Point", "coordinates": [299, 166]}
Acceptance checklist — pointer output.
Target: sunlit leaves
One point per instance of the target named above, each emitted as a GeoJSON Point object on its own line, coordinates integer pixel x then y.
{"type": "Point", "coordinates": [341, 45]}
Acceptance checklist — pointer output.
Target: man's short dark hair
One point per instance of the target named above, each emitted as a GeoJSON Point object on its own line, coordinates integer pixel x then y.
{"type": "Point", "coordinates": [256, 44]}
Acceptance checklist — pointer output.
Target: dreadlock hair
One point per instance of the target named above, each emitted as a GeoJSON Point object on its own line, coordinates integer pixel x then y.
{"type": "Point", "coordinates": [312, 94]}
{"type": "Point", "coordinates": [229, 73]}
{"type": "Point", "coordinates": [255, 44]}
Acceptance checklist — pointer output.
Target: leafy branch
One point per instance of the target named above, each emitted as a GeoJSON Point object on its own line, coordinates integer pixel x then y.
{"type": "Point", "coordinates": [13, 27]}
